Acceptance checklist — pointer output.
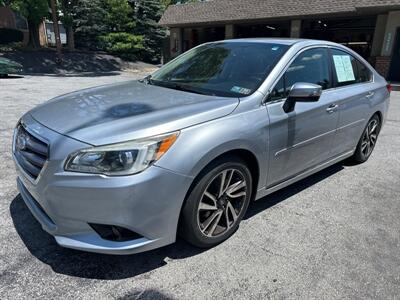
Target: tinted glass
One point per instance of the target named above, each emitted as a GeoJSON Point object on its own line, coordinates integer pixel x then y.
{"type": "Point", "coordinates": [348, 70]}
{"type": "Point", "coordinates": [311, 66]}
{"type": "Point", "coordinates": [363, 73]}
{"type": "Point", "coordinates": [222, 69]}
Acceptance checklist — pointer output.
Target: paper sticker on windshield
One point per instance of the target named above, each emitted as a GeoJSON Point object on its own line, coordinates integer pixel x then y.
{"type": "Point", "coordinates": [240, 90]}
{"type": "Point", "coordinates": [344, 68]}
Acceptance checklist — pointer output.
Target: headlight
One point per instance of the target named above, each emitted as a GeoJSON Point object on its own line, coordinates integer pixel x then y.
{"type": "Point", "coordinates": [121, 159]}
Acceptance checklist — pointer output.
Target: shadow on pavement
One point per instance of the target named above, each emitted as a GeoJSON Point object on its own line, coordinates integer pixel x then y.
{"type": "Point", "coordinates": [108, 267]}
{"type": "Point", "coordinates": [85, 264]}
{"type": "Point", "coordinates": [150, 294]}
{"type": "Point", "coordinates": [4, 77]}
{"type": "Point", "coordinates": [291, 190]}
{"type": "Point", "coordinates": [82, 74]}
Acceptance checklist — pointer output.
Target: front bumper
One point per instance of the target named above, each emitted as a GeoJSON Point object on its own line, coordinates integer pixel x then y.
{"type": "Point", "coordinates": [65, 203]}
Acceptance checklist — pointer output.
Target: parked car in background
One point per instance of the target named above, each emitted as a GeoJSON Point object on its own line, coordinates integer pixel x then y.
{"type": "Point", "coordinates": [124, 168]}
{"type": "Point", "coordinates": [8, 66]}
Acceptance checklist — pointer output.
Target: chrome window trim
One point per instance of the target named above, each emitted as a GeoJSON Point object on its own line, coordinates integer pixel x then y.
{"type": "Point", "coordinates": [266, 102]}
{"type": "Point", "coordinates": [283, 71]}
{"type": "Point", "coordinates": [372, 80]}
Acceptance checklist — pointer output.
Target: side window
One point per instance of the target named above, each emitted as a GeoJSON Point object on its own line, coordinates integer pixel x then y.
{"type": "Point", "coordinates": [311, 66]}
{"type": "Point", "coordinates": [278, 92]}
{"type": "Point", "coordinates": [363, 73]}
{"type": "Point", "coordinates": [348, 70]}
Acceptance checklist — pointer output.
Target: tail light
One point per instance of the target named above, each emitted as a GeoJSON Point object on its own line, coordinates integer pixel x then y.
{"type": "Point", "coordinates": [389, 88]}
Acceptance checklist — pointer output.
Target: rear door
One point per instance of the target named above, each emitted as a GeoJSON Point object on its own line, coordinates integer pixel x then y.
{"type": "Point", "coordinates": [302, 139]}
{"type": "Point", "coordinates": [353, 83]}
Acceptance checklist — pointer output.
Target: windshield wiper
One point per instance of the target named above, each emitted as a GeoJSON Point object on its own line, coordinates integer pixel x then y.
{"type": "Point", "coordinates": [146, 80]}
{"type": "Point", "coordinates": [184, 88]}
{"type": "Point", "coordinates": [175, 86]}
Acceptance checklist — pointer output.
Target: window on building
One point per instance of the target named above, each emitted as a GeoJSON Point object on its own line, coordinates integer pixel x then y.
{"type": "Point", "coordinates": [281, 29]}
{"type": "Point", "coordinates": [311, 66]}
{"type": "Point", "coordinates": [355, 33]}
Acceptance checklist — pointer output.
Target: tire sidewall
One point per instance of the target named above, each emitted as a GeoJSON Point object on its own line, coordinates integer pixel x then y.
{"type": "Point", "coordinates": [191, 230]}
{"type": "Point", "coordinates": [358, 155]}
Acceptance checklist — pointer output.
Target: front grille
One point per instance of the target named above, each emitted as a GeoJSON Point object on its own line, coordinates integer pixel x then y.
{"type": "Point", "coordinates": [30, 152]}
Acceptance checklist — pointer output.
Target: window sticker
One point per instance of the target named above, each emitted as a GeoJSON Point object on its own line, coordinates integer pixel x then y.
{"type": "Point", "coordinates": [344, 68]}
{"type": "Point", "coordinates": [240, 90]}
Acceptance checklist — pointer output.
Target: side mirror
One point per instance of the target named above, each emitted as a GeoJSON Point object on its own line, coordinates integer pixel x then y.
{"type": "Point", "coordinates": [302, 92]}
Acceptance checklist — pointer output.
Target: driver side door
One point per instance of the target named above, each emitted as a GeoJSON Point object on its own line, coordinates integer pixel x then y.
{"type": "Point", "coordinates": [302, 138]}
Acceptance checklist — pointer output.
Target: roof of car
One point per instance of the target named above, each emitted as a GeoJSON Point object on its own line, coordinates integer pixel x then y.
{"type": "Point", "coordinates": [283, 41]}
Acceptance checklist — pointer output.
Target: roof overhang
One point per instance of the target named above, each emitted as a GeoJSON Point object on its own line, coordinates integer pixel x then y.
{"type": "Point", "coordinates": [215, 12]}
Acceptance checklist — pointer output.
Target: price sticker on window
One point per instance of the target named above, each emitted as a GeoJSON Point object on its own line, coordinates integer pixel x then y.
{"type": "Point", "coordinates": [344, 68]}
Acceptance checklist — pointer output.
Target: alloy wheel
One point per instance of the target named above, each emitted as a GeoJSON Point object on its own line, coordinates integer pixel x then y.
{"type": "Point", "coordinates": [222, 202]}
{"type": "Point", "coordinates": [369, 138]}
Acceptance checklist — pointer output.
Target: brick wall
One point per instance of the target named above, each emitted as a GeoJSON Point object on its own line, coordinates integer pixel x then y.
{"type": "Point", "coordinates": [382, 65]}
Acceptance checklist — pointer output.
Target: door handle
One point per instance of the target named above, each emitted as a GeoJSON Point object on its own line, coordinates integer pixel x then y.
{"type": "Point", "coordinates": [370, 95]}
{"type": "Point", "coordinates": [332, 108]}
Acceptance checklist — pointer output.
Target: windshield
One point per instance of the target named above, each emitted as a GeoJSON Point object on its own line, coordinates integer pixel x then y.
{"type": "Point", "coordinates": [222, 69]}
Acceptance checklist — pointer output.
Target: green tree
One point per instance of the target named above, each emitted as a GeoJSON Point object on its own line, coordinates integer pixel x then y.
{"type": "Point", "coordinates": [148, 13]}
{"type": "Point", "coordinates": [67, 9]}
{"type": "Point", "coordinates": [123, 44]}
{"type": "Point", "coordinates": [167, 3]}
{"type": "Point", "coordinates": [88, 23]}
{"type": "Point", "coordinates": [34, 11]}
{"type": "Point", "coordinates": [119, 15]}
{"type": "Point", "coordinates": [5, 2]}
{"type": "Point", "coordinates": [120, 21]}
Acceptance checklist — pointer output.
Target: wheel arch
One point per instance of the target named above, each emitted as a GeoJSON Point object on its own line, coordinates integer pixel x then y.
{"type": "Point", "coordinates": [244, 154]}
{"type": "Point", "coordinates": [379, 114]}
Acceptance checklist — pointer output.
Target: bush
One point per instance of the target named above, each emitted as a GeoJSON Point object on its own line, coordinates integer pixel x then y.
{"type": "Point", "coordinates": [123, 44]}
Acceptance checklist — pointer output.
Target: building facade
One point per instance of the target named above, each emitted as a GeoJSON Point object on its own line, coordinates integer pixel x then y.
{"type": "Point", "coordinates": [13, 27]}
{"type": "Point", "coordinates": [370, 27]}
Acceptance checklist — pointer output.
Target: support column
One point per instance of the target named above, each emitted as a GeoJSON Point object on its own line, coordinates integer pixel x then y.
{"type": "Point", "coordinates": [295, 29]}
{"type": "Point", "coordinates": [393, 22]}
{"type": "Point", "coordinates": [383, 61]}
{"type": "Point", "coordinates": [229, 31]}
{"type": "Point", "coordinates": [379, 35]}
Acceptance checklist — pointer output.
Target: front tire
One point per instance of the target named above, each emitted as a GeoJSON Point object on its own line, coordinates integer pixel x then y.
{"type": "Point", "coordinates": [368, 140]}
{"type": "Point", "coordinates": [217, 203]}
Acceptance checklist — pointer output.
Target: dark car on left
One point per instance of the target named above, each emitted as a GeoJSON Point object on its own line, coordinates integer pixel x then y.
{"type": "Point", "coordinates": [8, 66]}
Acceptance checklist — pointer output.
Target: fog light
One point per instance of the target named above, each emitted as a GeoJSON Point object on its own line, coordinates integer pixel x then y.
{"type": "Point", "coordinates": [115, 233]}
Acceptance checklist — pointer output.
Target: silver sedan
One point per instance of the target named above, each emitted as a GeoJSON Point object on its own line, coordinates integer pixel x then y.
{"type": "Point", "coordinates": [125, 168]}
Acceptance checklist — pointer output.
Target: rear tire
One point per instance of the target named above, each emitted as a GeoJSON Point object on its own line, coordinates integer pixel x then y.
{"type": "Point", "coordinates": [368, 140]}
{"type": "Point", "coordinates": [217, 203]}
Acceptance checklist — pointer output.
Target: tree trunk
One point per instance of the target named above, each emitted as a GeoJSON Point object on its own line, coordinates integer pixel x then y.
{"type": "Point", "coordinates": [34, 40]}
{"type": "Point", "coordinates": [53, 6]}
{"type": "Point", "coordinates": [70, 38]}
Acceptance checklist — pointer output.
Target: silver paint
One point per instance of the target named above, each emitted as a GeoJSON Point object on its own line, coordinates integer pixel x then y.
{"type": "Point", "coordinates": [287, 147]}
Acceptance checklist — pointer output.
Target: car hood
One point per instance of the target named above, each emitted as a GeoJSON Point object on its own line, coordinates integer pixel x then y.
{"type": "Point", "coordinates": [130, 110]}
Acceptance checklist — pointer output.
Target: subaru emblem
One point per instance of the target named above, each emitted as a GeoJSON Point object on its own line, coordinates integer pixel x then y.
{"type": "Point", "coordinates": [21, 142]}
